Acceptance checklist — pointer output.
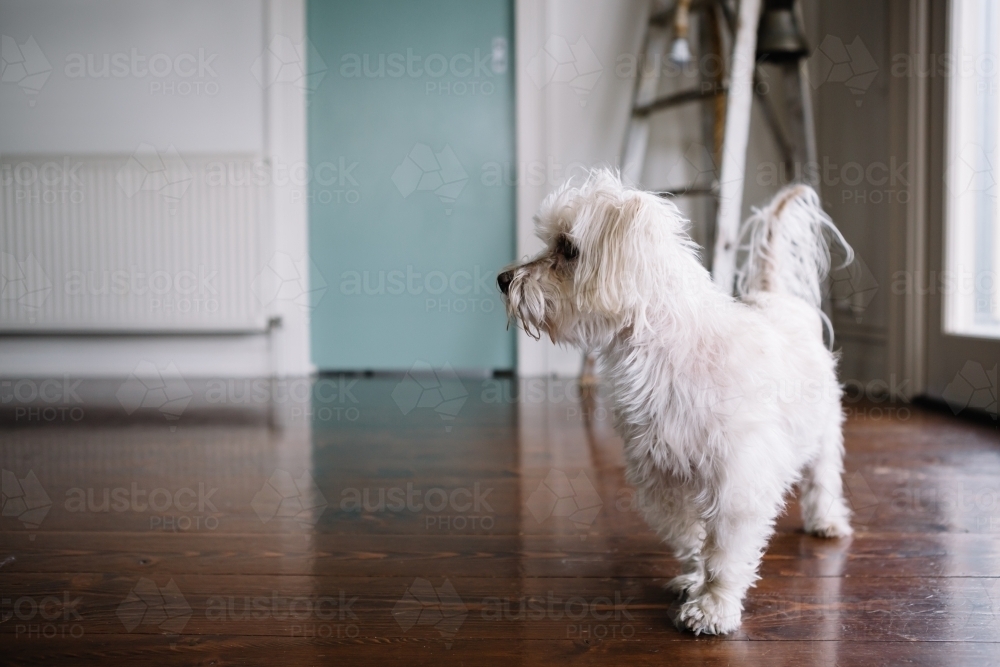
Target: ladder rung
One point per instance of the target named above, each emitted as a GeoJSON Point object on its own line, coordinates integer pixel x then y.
{"type": "Point", "coordinates": [663, 17]}
{"type": "Point", "coordinates": [682, 97]}
{"type": "Point", "coordinates": [689, 191]}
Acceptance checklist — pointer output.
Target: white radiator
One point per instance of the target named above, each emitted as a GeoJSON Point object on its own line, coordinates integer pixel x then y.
{"type": "Point", "coordinates": [153, 242]}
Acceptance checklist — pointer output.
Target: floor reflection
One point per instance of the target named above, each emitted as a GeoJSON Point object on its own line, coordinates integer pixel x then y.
{"type": "Point", "coordinates": [445, 511]}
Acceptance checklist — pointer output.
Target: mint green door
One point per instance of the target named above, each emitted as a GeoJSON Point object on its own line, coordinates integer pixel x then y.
{"type": "Point", "coordinates": [411, 147]}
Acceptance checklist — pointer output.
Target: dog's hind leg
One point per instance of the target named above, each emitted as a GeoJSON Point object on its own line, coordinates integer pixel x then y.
{"type": "Point", "coordinates": [824, 510]}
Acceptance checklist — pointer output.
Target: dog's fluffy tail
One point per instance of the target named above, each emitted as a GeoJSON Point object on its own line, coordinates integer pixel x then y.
{"type": "Point", "coordinates": [787, 248]}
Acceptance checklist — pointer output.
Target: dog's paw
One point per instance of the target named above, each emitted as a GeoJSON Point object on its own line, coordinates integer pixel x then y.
{"type": "Point", "coordinates": [830, 528]}
{"type": "Point", "coordinates": [687, 585]}
{"type": "Point", "coordinates": [709, 615]}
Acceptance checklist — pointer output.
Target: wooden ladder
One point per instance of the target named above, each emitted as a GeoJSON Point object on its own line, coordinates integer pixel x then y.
{"type": "Point", "coordinates": [727, 97]}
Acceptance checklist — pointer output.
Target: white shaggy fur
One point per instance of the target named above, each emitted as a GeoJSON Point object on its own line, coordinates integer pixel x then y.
{"type": "Point", "coordinates": [723, 404]}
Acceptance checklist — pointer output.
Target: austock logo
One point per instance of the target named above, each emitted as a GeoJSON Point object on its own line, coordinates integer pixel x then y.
{"type": "Point", "coordinates": [560, 496]}
{"type": "Point", "coordinates": [147, 604]}
{"type": "Point", "coordinates": [440, 173]}
{"type": "Point", "coordinates": [286, 279]}
{"type": "Point", "coordinates": [699, 167]}
{"type": "Point", "coordinates": [24, 64]}
{"type": "Point", "coordinates": [287, 61]}
{"type": "Point", "coordinates": [575, 64]}
{"type": "Point", "coordinates": [150, 387]}
{"type": "Point", "coordinates": [851, 65]}
{"type": "Point", "coordinates": [323, 616]}
{"type": "Point", "coordinates": [423, 604]}
{"type": "Point", "coordinates": [183, 509]}
{"type": "Point", "coordinates": [284, 496]}
{"type": "Point", "coordinates": [723, 400]}
{"type": "Point", "coordinates": [860, 498]}
{"type": "Point", "coordinates": [459, 509]}
{"type": "Point", "coordinates": [43, 618]}
{"type": "Point", "coordinates": [852, 287]}
{"type": "Point", "coordinates": [163, 174]}
{"type": "Point", "coordinates": [973, 387]}
{"type": "Point", "coordinates": [24, 499]}
{"type": "Point", "coordinates": [24, 282]}
{"type": "Point", "coordinates": [601, 617]}
{"type": "Point", "coordinates": [423, 387]}
{"type": "Point", "coordinates": [973, 170]}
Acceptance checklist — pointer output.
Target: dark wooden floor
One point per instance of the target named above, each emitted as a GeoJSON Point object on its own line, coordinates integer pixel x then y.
{"type": "Point", "coordinates": [255, 533]}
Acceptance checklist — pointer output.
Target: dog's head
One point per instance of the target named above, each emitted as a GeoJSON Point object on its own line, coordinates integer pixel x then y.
{"type": "Point", "coordinates": [609, 253]}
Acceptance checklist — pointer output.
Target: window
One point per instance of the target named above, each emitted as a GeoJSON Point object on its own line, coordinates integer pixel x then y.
{"type": "Point", "coordinates": [972, 229]}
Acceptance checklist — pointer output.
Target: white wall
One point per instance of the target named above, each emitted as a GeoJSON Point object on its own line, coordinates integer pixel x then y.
{"type": "Point", "coordinates": [285, 136]}
{"type": "Point", "coordinates": [561, 127]}
{"type": "Point", "coordinates": [558, 126]}
{"type": "Point", "coordinates": [222, 113]}
{"type": "Point", "coordinates": [206, 101]}
{"type": "Point", "coordinates": [866, 128]}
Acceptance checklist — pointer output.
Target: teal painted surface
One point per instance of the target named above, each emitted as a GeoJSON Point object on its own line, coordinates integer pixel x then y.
{"type": "Point", "coordinates": [409, 221]}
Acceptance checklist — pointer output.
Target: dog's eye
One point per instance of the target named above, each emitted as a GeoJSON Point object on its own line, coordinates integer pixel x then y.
{"type": "Point", "coordinates": [566, 248]}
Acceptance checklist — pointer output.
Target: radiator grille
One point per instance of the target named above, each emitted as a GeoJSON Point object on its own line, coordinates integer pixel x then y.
{"type": "Point", "coordinates": [148, 242]}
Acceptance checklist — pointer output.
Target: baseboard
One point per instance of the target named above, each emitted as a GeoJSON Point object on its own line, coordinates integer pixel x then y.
{"type": "Point", "coordinates": [223, 355]}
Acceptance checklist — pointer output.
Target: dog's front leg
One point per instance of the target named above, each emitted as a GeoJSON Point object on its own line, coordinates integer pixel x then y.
{"type": "Point", "coordinates": [737, 534]}
{"type": "Point", "coordinates": [685, 532]}
{"type": "Point", "coordinates": [670, 506]}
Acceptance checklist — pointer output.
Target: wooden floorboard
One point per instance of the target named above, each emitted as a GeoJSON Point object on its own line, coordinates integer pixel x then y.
{"type": "Point", "coordinates": [790, 554]}
{"type": "Point", "coordinates": [222, 650]}
{"type": "Point", "coordinates": [416, 540]}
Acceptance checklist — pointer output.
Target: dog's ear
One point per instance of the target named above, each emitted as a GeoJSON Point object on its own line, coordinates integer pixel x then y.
{"type": "Point", "coordinates": [619, 245]}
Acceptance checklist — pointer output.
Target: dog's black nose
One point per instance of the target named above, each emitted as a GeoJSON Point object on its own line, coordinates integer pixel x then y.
{"type": "Point", "coordinates": [503, 281]}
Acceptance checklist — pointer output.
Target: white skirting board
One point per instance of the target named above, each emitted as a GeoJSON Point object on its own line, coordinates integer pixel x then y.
{"type": "Point", "coordinates": [205, 356]}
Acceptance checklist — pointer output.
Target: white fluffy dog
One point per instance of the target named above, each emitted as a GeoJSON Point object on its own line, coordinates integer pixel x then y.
{"type": "Point", "coordinates": [723, 404]}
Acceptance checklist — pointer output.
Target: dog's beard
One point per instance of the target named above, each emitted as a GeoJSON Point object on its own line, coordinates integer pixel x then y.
{"type": "Point", "coordinates": [541, 305]}
{"type": "Point", "coordinates": [526, 304]}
